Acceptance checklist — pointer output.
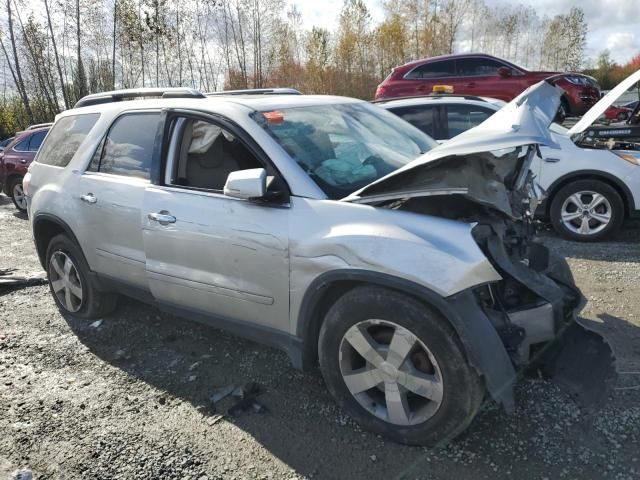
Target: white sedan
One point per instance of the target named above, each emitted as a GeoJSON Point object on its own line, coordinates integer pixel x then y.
{"type": "Point", "coordinates": [592, 177]}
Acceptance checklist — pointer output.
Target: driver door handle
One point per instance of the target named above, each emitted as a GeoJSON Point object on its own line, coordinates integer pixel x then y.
{"type": "Point", "coordinates": [89, 198]}
{"type": "Point", "coordinates": [163, 217]}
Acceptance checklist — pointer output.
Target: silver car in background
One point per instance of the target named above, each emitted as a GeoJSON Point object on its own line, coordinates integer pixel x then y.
{"type": "Point", "coordinates": [326, 227]}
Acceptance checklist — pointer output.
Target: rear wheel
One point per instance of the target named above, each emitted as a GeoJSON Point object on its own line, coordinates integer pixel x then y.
{"type": "Point", "coordinates": [17, 194]}
{"type": "Point", "coordinates": [71, 284]}
{"type": "Point", "coordinates": [397, 367]}
{"type": "Point", "coordinates": [586, 210]}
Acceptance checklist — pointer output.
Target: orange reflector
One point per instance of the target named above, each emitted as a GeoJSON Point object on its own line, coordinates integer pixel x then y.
{"type": "Point", "coordinates": [274, 117]}
{"type": "Point", "coordinates": [442, 89]}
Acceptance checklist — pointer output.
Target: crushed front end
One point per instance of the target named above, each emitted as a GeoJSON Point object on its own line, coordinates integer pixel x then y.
{"type": "Point", "coordinates": [535, 308]}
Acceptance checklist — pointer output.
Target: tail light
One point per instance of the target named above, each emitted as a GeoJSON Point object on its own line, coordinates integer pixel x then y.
{"type": "Point", "coordinates": [26, 184]}
{"type": "Point", "coordinates": [381, 91]}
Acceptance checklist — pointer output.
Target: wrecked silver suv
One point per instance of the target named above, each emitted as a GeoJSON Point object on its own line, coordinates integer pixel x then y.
{"type": "Point", "coordinates": [315, 224]}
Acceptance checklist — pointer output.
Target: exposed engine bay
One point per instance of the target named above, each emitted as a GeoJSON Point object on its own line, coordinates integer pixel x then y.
{"type": "Point", "coordinates": [619, 137]}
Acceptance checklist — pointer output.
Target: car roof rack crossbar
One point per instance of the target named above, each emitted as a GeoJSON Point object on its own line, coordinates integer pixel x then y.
{"type": "Point", "coordinates": [256, 91]}
{"type": "Point", "coordinates": [129, 94]}
{"type": "Point", "coordinates": [432, 95]}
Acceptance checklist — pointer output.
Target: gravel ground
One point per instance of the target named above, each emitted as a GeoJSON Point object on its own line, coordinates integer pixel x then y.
{"type": "Point", "coordinates": [129, 398]}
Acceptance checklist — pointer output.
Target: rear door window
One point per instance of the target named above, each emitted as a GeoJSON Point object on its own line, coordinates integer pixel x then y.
{"type": "Point", "coordinates": [461, 118]}
{"type": "Point", "coordinates": [433, 70]}
{"type": "Point", "coordinates": [421, 117]}
{"type": "Point", "coordinates": [36, 140]}
{"type": "Point", "coordinates": [478, 67]}
{"type": "Point", "coordinates": [65, 138]}
{"type": "Point", "coordinates": [22, 146]}
{"type": "Point", "coordinates": [128, 148]}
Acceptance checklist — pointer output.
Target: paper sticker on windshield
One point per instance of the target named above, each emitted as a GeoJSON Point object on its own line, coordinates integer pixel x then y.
{"type": "Point", "coordinates": [274, 117]}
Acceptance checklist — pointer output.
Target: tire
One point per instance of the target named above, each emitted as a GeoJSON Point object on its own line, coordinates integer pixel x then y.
{"type": "Point", "coordinates": [17, 194]}
{"type": "Point", "coordinates": [91, 303]}
{"type": "Point", "coordinates": [432, 422]}
{"type": "Point", "coordinates": [572, 206]}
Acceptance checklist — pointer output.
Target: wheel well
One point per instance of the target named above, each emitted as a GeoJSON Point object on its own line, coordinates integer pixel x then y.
{"type": "Point", "coordinates": [8, 181]}
{"type": "Point", "coordinates": [43, 232]}
{"type": "Point", "coordinates": [332, 292]}
{"type": "Point", "coordinates": [322, 302]}
{"type": "Point", "coordinates": [556, 188]}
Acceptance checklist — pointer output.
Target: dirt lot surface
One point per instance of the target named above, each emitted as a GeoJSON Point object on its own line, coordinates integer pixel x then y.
{"type": "Point", "coordinates": [130, 398]}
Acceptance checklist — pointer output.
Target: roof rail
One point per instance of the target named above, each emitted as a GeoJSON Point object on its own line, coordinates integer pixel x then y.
{"type": "Point", "coordinates": [432, 95]}
{"type": "Point", "coordinates": [128, 94]}
{"type": "Point", "coordinates": [257, 91]}
{"type": "Point", "coordinates": [39, 125]}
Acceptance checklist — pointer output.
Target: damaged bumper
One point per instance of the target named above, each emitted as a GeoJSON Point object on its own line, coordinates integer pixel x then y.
{"type": "Point", "coordinates": [528, 322]}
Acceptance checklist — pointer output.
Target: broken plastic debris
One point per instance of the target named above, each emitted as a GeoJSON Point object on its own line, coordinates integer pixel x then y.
{"type": "Point", "coordinates": [222, 392]}
{"type": "Point", "coordinates": [247, 403]}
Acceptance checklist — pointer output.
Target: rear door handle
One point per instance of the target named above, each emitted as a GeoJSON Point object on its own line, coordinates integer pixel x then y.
{"type": "Point", "coordinates": [89, 198]}
{"type": "Point", "coordinates": [471, 84]}
{"type": "Point", "coordinates": [163, 217]}
{"type": "Point", "coordinates": [551, 160]}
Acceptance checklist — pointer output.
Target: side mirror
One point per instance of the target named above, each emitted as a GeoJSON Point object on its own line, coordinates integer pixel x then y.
{"type": "Point", "coordinates": [246, 184]}
{"type": "Point", "coordinates": [505, 72]}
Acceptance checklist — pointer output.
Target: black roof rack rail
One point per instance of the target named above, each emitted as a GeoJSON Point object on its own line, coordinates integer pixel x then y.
{"type": "Point", "coordinates": [432, 95]}
{"type": "Point", "coordinates": [128, 94]}
{"type": "Point", "coordinates": [257, 91]}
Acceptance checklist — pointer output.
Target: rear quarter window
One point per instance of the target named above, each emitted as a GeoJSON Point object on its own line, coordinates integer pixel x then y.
{"type": "Point", "coordinates": [65, 138]}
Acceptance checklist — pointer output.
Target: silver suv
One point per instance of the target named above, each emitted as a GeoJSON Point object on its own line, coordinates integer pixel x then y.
{"type": "Point", "coordinates": [307, 223]}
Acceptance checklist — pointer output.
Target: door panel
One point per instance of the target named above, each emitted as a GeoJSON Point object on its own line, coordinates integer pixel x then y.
{"type": "Point", "coordinates": [221, 256]}
{"type": "Point", "coordinates": [110, 207]}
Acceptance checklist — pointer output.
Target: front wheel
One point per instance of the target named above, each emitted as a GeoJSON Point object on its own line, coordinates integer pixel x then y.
{"type": "Point", "coordinates": [397, 367]}
{"type": "Point", "coordinates": [17, 194]}
{"type": "Point", "coordinates": [586, 210]}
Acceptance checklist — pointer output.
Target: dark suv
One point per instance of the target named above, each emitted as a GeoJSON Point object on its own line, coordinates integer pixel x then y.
{"type": "Point", "coordinates": [484, 75]}
{"type": "Point", "coordinates": [14, 161]}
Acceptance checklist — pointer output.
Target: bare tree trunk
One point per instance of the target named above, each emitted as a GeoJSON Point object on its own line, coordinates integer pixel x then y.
{"type": "Point", "coordinates": [81, 77]}
{"type": "Point", "coordinates": [113, 52]}
{"type": "Point", "coordinates": [178, 42]}
{"type": "Point", "coordinates": [18, 75]}
{"type": "Point", "coordinates": [57, 57]}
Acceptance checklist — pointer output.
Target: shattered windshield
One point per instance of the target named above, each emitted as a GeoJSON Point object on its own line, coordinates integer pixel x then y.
{"type": "Point", "coordinates": [344, 147]}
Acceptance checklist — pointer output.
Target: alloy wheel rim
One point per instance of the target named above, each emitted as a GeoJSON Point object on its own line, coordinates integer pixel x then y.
{"type": "Point", "coordinates": [19, 197]}
{"type": "Point", "coordinates": [65, 281]}
{"type": "Point", "coordinates": [390, 372]}
{"type": "Point", "coordinates": [586, 212]}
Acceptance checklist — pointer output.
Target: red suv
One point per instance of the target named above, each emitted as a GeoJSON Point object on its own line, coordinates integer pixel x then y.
{"type": "Point", "coordinates": [484, 75]}
{"type": "Point", "coordinates": [14, 161]}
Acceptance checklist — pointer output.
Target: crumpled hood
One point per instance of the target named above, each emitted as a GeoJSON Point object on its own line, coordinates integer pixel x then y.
{"type": "Point", "coordinates": [523, 121]}
{"type": "Point", "coordinates": [605, 102]}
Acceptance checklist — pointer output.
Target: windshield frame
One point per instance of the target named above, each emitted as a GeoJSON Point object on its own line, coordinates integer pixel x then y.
{"type": "Point", "coordinates": [348, 112]}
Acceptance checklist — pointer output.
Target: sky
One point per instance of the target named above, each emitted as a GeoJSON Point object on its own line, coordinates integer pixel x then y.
{"type": "Point", "coordinates": [613, 24]}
